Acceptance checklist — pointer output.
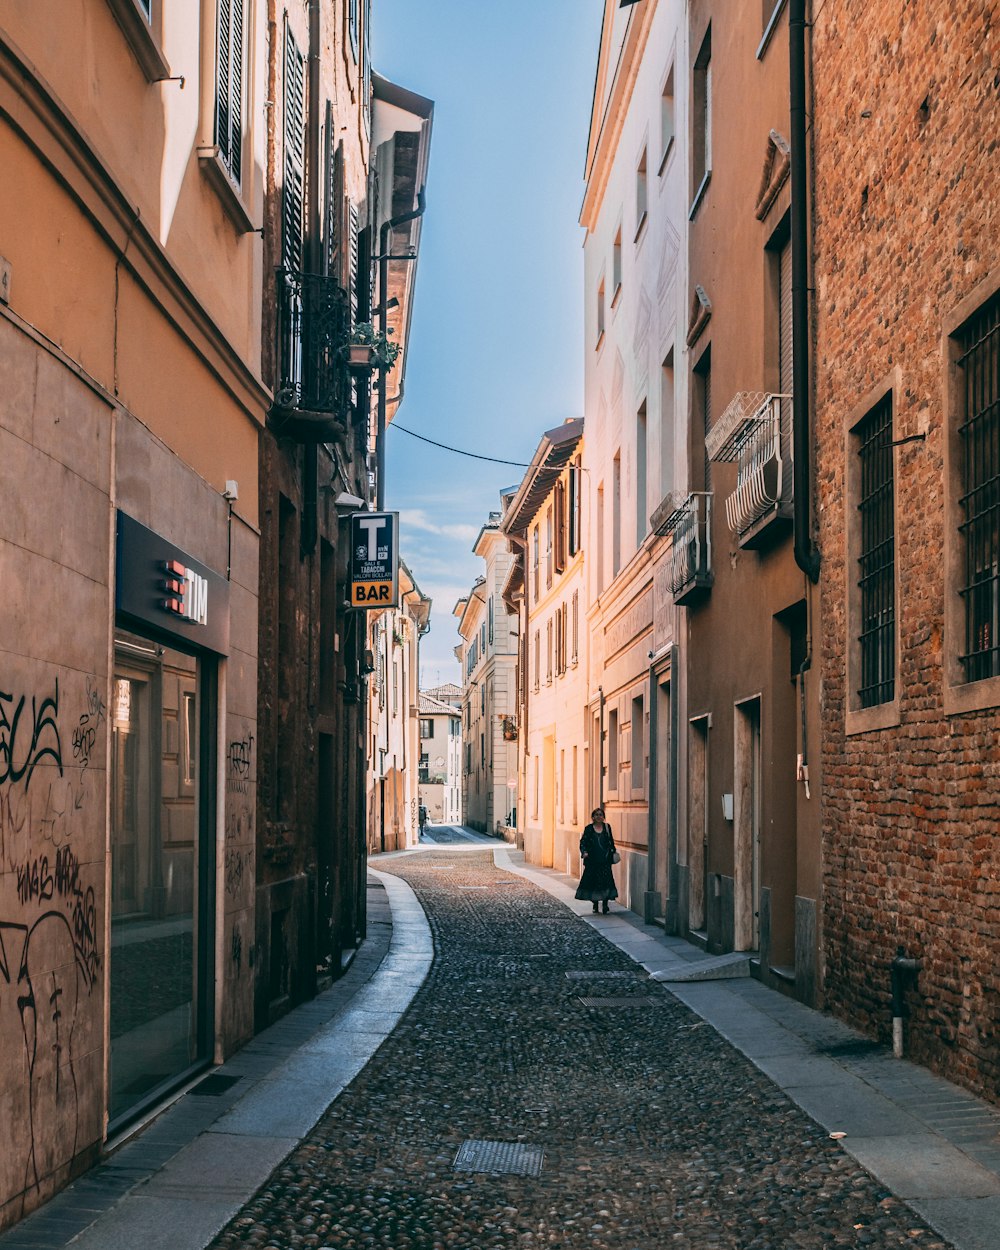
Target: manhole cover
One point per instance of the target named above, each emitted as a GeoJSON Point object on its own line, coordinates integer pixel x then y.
{"type": "Point", "coordinates": [511, 1157]}
{"type": "Point", "coordinates": [625, 1000]}
{"type": "Point", "coordinates": [606, 976]}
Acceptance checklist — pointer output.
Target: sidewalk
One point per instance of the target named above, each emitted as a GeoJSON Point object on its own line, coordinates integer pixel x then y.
{"type": "Point", "coordinates": [927, 1141]}
{"type": "Point", "coordinates": [177, 1183]}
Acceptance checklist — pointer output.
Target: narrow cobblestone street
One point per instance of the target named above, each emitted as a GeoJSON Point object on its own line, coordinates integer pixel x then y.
{"type": "Point", "coordinates": [532, 1029]}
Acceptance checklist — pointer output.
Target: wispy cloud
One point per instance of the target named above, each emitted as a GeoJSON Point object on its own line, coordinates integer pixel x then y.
{"type": "Point", "coordinates": [417, 518]}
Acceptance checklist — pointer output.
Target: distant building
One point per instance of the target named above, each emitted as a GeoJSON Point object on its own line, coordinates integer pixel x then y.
{"type": "Point", "coordinates": [488, 656]}
{"type": "Point", "coordinates": [544, 526]}
{"type": "Point", "coordinates": [393, 718]}
{"type": "Point", "coordinates": [440, 781]}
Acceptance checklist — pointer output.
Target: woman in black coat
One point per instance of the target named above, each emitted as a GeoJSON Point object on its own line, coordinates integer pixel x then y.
{"type": "Point", "coordinates": [597, 846]}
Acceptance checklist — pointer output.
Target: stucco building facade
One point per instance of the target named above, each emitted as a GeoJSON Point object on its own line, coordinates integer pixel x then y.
{"type": "Point", "coordinates": [440, 781]}
{"type": "Point", "coordinates": [130, 347]}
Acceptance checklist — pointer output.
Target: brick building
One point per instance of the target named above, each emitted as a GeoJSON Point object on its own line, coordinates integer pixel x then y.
{"type": "Point", "coordinates": [907, 432]}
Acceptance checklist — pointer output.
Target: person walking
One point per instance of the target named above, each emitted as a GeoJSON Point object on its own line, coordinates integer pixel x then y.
{"type": "Point", "coordinates": [598, 853]}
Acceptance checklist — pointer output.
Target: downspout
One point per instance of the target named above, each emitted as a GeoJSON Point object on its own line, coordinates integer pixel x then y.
{"type": "Point", "coordinates": [652, 843]}
{"type": "Point", "coordinates": [806, 554]}
{"type": "Point", "coordinates": [383, 299]}
{"type": "Point", "coordinates": [310, 454]}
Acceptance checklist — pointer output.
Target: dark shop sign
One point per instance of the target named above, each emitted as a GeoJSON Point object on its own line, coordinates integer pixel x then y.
{"type": "Point", "coordinates": [374, 559]}
{"type": "Point", "coordinates": [160, 585]}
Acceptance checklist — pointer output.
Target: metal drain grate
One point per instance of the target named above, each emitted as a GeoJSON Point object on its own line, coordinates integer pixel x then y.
{"type": "Point", "coordinates": [606, 976]}
{"type": "Point", "coordinates": [473, 887]}
{"type": "Point", "coordinates": [634, 1000]}
{"type": "Point", "coordinates": [510, 1157]}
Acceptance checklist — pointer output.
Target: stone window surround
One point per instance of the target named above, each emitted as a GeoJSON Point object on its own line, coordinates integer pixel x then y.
{"type": "Point", "coordinates": [859, 720]}
{"type": "Point", "coordinates": [144, 35]}
{"type": "Point", "coordinates": [959, 696]}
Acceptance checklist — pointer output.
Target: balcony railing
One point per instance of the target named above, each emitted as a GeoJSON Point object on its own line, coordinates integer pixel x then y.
{"type": "Point", "coordinates": [688, 518]}
{"type": "Point", "coordinates": [312, 391]}
{"type": "Point", "coordinates": [749, 432]}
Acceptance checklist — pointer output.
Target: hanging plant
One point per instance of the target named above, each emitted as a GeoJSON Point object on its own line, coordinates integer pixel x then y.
{"type": "Point", "coordinates": [369, 348]}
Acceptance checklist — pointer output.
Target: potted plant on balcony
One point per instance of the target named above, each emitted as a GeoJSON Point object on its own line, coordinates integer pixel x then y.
{"type": "Point", "coordinates": [369, 348]}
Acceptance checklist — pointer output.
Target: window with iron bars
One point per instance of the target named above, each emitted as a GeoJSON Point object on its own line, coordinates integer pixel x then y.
{"type": "Point", "coordinates": [877, 556]}
{"type": "Point", "coordinates": [978, 361]}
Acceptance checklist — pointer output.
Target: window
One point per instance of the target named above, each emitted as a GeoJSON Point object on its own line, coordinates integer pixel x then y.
{"type": "Point", "coordinates": [641, 502]}
{"type": "Point", "coordinates": [667, 120]}
{"type": "Point", "coordinates": [352, 24]}
{"type": "Point", "coordinates": [426, 727]}
{"type": "Point", "coordinates": [535, 575]}
{"type": "Point", "coordinates": [548, 652]}
{"type": "Point", "coordinates": [575, 785]}
{"type": "Point", "coordinates": [294, 149]}
{"type": "Point", "coordinates": [638, 743]}
{"type": "Point", "coordinates": [141, 22]}
{"type": "Point", "coordinates": [575, 482]}
{"type": "Point", "coordinates": [575, 627]}
{"type": "Point", "coordinates": [616, 515]}
{"type": "Point", "coordinates": [701, 121]}
{"type": "Point", "coordinates": [641, 195]}
{"type": "Point", "coordinates": [977, 344]}
{"type": "Point", "coordinates": [229, 61]}
{"type": "Point", "coordinates": [616, 267]}
{"type": "Point", "coordinates": [490, 615]}
{"type": "Point", "coordinates": [425, 771]}
{"type": "Point", "coordinates": [600, 313]}
{"type": "Point", "coordinates": [560, 526]}
{"type": "Point", "coordinates": [876, 559]}
{"type": "Point", "coordinates": [600, 538]}
{"type": "Point", "coordinates": [538, 660]}
{"type": "Point", "coordinates": [549, 554]}
{"type": "Point", "coordinates": [667, 394]}
{"type": "Point", "coordinates": [701, 465]}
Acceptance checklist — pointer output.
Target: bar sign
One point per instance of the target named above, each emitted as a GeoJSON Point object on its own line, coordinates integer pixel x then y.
{"type": "Point", "coordinates": [374, 559]}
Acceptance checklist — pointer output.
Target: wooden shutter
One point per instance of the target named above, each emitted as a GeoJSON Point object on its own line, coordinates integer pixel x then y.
{"type": "Point", "coordinates": [353, 229]}
{"type": "Point", "coordinates": [785, 364]}
{"type": "Point", "coordinates": [294, 144]}
{"type": "Point", "coordinates": [229, 85]}
{"type": "Point", "coordinates": [334, 206]}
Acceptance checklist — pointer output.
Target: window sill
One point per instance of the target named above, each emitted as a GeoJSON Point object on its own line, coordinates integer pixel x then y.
{"type": "Point", "coordinates": [617, 296]}
{"type": "Point", "coordinates": [232, 201]}
{"type": "Point", "coordinates": [869, 719]}
{"type": "Point", "coordinates": [765, 38]}
{"type": "Point", "coordinates": [972, 696]}
{"type": "Point", "coordinates": [641, 226]}
{"type": "Point", "coordinates": [700, 194]}
{"type": "Point", "coordinates": [140, 38]}
{"type": "Point", "coordinates": [600, 342]}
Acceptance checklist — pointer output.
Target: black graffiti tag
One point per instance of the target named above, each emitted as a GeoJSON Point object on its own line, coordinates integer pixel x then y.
{"type": "Point", "coordinates": [19, 756]}
{"type": "Point", "coordinates": [239, 759]}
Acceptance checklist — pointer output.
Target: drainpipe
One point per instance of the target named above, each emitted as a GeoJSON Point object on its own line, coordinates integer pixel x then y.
{"type": "Point", "coordinates": [310, 455]}
{"type": "Point", "coordinates": [806, 555]}
{"type": "Point", "coordinates": [600, 770]}
{"type": "Point", "coordinates": [383, 300]}
{"type": "Point", "coordinates": [903, 976]}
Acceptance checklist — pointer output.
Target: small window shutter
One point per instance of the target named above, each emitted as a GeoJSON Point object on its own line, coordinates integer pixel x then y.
{"type": "Point", "coordinates": [785, 363]}
{"type": "Point", "coordinates": [229, 86]}
{"type": "Point", "coordinates": [706, 385]}
{"type": "Point", "coordinates": [334, 198]}
{"type": "Point", "coordinates": [353, 226]}
{"type": "Point", "coordinates": [294, 141]}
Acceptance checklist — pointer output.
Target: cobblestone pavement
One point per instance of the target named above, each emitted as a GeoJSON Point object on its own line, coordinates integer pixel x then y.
{"type": "Point", "coordinates": [532, 1029]}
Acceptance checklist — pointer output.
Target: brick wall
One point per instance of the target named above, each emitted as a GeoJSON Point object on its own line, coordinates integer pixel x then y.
{"type": "Point", "coordinates": [907, 118]}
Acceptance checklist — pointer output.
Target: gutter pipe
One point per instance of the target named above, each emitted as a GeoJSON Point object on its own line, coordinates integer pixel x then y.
{"type": "Point", "coordinates": [383, 299]}
{"type": "Point", "coordinates": [806, 554]}
{"type": "Point", "coordinates": [902, 976]}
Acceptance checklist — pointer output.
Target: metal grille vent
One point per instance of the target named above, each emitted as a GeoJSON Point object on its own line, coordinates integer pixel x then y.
{"type": "Point", "coordinates": [512, 1158]}
{"type": "Point", "coordinates": [605, 976]}
{"type": "Point", "coordinates": [624, 1000]}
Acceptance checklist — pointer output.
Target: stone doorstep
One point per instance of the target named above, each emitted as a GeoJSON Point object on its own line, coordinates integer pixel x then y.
{"type": "Point", "coordinates": [715, 968]}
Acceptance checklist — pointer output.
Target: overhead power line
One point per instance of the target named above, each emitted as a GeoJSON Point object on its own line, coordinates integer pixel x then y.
{"type": "Point", "coordinates": [473, 455]}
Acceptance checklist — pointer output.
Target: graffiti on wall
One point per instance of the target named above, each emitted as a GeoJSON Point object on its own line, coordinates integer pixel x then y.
{"type": "Point", "coordinates": [49, 945]}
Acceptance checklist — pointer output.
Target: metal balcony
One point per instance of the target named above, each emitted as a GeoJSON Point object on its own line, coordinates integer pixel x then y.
{"type": "Point", "coordinates": [749, 433]}
{"type": "Point", "coordinates": [313, 388]}
{"type": "Point", "coordinates": [688, 518]}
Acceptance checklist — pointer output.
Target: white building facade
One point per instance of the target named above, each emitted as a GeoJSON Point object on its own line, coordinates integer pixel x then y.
{"type": "Point", "coordinates": [440, 773]}
{"type": "Point", "coordinates": [635, 214]}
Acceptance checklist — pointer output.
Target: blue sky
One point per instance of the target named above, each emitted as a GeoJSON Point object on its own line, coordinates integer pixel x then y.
{"type": "Point", "coordinates": [497, 338]}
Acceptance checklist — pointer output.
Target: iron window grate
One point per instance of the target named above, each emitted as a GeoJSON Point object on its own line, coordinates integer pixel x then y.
{"type": "Point", "coordinates": [876, 563]}
{"type": "Point", "coordinates": [513, 1158]}
{"type": "Point", "coordinates": [979, 429]}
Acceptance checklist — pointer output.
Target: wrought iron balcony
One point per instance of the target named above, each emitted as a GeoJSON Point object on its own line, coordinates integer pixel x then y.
{"type": "Point", "coordinates": [313, 388]}
{"type": "Point", "coordinates": [688, 518]}
{"type": "Point", "coordinates": [754, 431]}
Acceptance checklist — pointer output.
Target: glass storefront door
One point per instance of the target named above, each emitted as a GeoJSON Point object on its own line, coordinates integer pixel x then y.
{"type": "Point", "coordinates": [160, 904]}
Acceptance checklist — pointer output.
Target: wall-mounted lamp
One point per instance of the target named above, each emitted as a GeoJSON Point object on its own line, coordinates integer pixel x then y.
{"type": "Point", "coordinates": [392, 303]}
{"type": "Point", "coordinates": [232, 491]}
{"type": "Point", "coordinates": [727, 807]}
{"type": "Point", "coordinates": [346, 500]}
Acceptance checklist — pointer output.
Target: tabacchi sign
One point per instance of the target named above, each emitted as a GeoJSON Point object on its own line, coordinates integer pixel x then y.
{"type": "Point", "coordinates": [374, 559]}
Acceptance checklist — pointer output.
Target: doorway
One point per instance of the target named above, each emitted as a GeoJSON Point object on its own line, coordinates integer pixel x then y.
{"type": "Point", "coordinates": [746, 824]}
{"type": "Point", "coordinates": [548, 800]}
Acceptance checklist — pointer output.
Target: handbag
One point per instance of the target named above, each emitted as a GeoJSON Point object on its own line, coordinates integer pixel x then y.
{"type": "Point", "coordinates": [615, 857]}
